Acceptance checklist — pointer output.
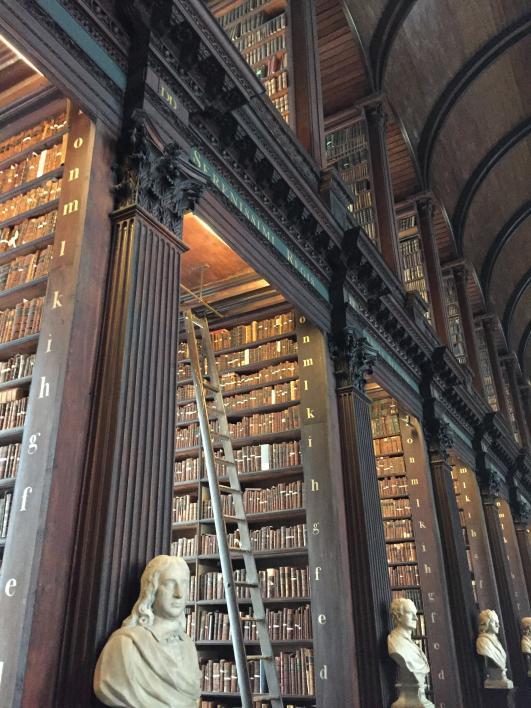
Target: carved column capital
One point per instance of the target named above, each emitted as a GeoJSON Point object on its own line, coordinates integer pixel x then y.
{"type": "Point", "coordinates": [161, 182]}
{"type": "Point", "coordinates": [425, 207]}
{"type": "Point", "coordinates": [376, 111]}
{"type": "Point", "coordinates": [439, 438]}
{"type": "Point", "coordinates": [460, 273]}
{"type": "Point", "coordinates": [521, 510]}
{"type": "Point", "coordinates": [490, 484]}
{"type": "Point", "coordinates": [353, 358]}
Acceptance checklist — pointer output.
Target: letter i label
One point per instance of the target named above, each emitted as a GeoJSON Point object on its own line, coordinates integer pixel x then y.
{"type": "Point", "coordinates": [1, 671]}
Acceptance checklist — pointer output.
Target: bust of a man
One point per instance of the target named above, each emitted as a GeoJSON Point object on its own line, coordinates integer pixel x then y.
{"type": "Point", "coordinates": [489, 646]}
{"type": "Point", "coordinates": [412, 662]}
{"type": "Point", "coordinates": [150, 662]}
{"type": "Point", "coordinates": [526, 642]}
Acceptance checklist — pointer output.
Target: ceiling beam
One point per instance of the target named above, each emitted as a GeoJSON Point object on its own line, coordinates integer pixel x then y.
{"type": "Point", "coordinates": [495, 154]}
{"type": "Point", "coordinates": [382, 40]}
{"type": "Point", "coordinates": [514, 299]}
{"type": "Point", "coordinates": [455, 88]}
{"type": "Point", "coordinates": [499, 243]}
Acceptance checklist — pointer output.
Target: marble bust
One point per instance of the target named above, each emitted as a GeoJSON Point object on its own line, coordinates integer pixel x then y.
{"type": "Point", "coordinates": [413, 666]}
{"type": "Point", "coordinates": [150, 662]}
{"type": "Point", "coordinates": [489, 646]}
{"type": "Point", "coordinates": [525, 644]}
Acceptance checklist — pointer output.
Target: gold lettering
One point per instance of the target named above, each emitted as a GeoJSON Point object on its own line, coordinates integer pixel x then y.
{"type": "Point", "coordinates": [467, 498]}
{"type": "Point", "coordinates": [56, 300]}
{"type": "Point", "coordinates": [302, 319]}
{"type": "Point", "coordinates": [422, 525]}
{"type": "Point", "coordinates": [436, 645]}
{"type": "Point", "coordinates": [49, 344]}
{"type": "Point", "coordinates": [418, 503]}
{"type": "Point", "coordinates": [427, 569]}
{"type": "Point", "coordinates": [322, 619]}
{"type": "Point", "coordinates": [73, 174]}
{"type": "Point", "coordinates": [1, 671]}
{"type": "Point", "coordinates": [433, 617]}
{"type": "Point", "coordinates": [473, 533]}
{"type": "Point", "coordinates": [315, 485]}
{"type": "Point", "coordinates": [78, 142]}
{"type": "Point", "coordinates": [305, 384]}
{"type": "Point", "coordinates": [315, 529]}
{"type": "Point", "coordinates": [310, 413]}
{"type": "Point", "coordinates": [442, 677]}
{"type": "Point", "coordinates": [32, 447]}
{"type": "Point", "coordinates": [431, 596]}
{"type": "Point", "coordinates": [318, 570]}
{"type": "Point", "coordinates": [27, 490]}
{"type": "Point", "coordinates": [323, 673]}
{"type": "Point", "coordinates": [424, 548]}
{"type": "Point", "coordinates": [307, 362]}
{"type": "Point", "coordinates": [310, 441]}
{"type": "Point", "coordinates": [71, 207]}
{"type": "Point", "coordinates": [62, 251]}
{"type": "Point", "coordinates": [464, 485]}
{"type": "Point", "coordinates": [45, 388]}
{"type": "Point", "coordinates": [10, 585]}
{"type": "Point", "coordinates": [306, 339]}
{"type": "Point", "coordinates": [409, 440]}
{"type": "Point", "coordinates": [412, 460]}
{"type": "Point", "coordinates": [415, 482]}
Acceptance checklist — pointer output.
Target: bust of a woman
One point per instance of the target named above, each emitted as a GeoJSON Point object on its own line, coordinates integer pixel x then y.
{"type": "Point", "coordinates": [150, 662]}
{"type": "Point", "coordinates": [489, 646]}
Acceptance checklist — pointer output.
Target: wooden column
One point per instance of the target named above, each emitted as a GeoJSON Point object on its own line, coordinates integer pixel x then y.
{"type": "Point", "coordinates": [38, 555]}
{"type": "Point", "coordinates": [459, 584]}
{"type": "Point", "coordinates": [521, 517]}
{"type": "Point", "coordinates": [510, 366]}
{"type": "Point", "coordinates": [425, 210]}
{"type": "Point", "coordinates": [381, 187]}
{"type": "Point", "coordinates": [307, 98]}
{"type": "Point", "coordinates": [497, 376]}
{"type": "Point", "coordinates": [467, 321]}
{"type": "Point", "coordinates": [371, 594]}
{"type": "Point", "coordinates": [490, 486]}
{"type": "Point", "coordinates": [125, 516]}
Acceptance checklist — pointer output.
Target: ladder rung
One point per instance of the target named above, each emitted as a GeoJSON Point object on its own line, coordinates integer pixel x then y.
{"type": "Point", "coordinates": [239, 549]}
{"type": "Point", "coordinates": [211, 387]}
{"type": "Point", "coordinates": [265, 696]}
{"type": "Point", "coordinates": [220, 436]}
{"type": "Point", "coordinates": [244, 584]}
{"type": "Point", "coordinates": [229, 490]}
{"type": "Point", "coordinates": [234, 519]}
{"type": "Point", "coordinates": [224, 462]}
{"type": "Point", "coordinates": [250, 618]}
{"type": "Point", "coordinates": [259, 657]}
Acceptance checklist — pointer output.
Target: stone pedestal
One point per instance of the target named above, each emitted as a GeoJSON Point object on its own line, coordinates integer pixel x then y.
{"type": "Point", "coordinates": [411, 694]}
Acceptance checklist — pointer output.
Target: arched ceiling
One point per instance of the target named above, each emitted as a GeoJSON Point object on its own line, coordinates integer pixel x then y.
{"type": "Point", "coordinates": [457, 75]}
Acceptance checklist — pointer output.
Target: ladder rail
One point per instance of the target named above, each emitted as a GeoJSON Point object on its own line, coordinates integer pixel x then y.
{"type": "Point", "coordinates": [268, 665]}
{"type": "Point", "coordinates": [215, 496]}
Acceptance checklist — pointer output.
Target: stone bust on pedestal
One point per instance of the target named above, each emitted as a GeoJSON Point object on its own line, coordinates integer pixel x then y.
{"type": "Point", "coordinates": [150, 662]}
{"type": "Point", "coordinates": [489, 646]}
{"type": "Point", "coordinates": [525, 644]}
{"type": "Point", "coordinates": [412, 662]}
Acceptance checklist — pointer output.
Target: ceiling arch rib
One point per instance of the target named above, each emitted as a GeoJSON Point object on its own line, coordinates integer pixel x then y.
{"type": "Point", "coordinates": [473, 183]}
{"type": "Point", "coordinates": [513, 301]}
{"type": "Point", "coordinates": [499, 243]}
{"type": "Point", "coordinates": [522, 347]}
{"type": "Point", "coordinates": [391, 20]}
{"type": "Point", "coordinates": [458, 85]}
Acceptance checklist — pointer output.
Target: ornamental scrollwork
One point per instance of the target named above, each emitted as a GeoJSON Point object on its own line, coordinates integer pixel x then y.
{"type": "Point", "coordinates": [353, 358]}
{"type": "Point", "coordinates": [163, 183]}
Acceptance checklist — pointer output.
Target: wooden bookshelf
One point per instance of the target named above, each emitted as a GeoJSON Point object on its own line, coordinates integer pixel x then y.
{"type": "Point", "coordinates": [31, 167]}
{"type": "Point", "coordinates": [259, 30]}
{"type": "Point", "coordinates": [347, 150]}
{"type": "Point", "coordinates": [413, 269]}
{"type": "Point", "coordinates": [485, 368]}
{"type": "Point", "coordinates": [258, 367]}
{"type": "Point", "coordinates": [455, 327]}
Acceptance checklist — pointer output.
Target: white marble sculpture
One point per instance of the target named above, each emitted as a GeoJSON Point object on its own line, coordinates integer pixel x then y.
{"type": "Point", "coordinates": [489, 646]}
{"type": "Point", "coordinates": [526, 642]}
{"type": "Point", "coordinates": [411, 660]}
{"type": "Point", "coordinates": [150, 662]}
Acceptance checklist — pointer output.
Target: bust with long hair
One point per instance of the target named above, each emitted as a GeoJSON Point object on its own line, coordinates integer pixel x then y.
{"type": "Point", "coordinates": [150, 662]}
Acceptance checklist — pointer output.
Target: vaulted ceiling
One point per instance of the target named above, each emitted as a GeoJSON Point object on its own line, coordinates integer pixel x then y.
{"type": "Point", "coordinates": [457, 75]}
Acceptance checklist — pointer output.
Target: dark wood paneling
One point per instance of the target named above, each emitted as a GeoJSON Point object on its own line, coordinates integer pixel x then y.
{"type": "Point", "coordinates": [401, 165]}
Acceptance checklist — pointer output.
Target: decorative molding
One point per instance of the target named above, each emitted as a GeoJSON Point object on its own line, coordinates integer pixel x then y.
{"type": "Point", "coordinates": [165, 184]}
{"type": "Point", "coordinates": [353, 358]}
{"type": "Point", "coordinates": [457, 86]}
{"type": "Point", "coordinates": [489, 161]}
{"type": "Point", "coordinates": [490, 483]}
{"type": "Point", "coordinates": [502, 239]}
{"type": "Point", "coordinates": [522, 347]}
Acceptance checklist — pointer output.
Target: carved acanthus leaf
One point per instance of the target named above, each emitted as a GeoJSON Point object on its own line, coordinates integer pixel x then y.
{"type": "Point", "coordinates": [353, 358]}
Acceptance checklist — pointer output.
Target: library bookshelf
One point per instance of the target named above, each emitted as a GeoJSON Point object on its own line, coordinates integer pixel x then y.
{"type": "Point", "coordinates": [31, 169]}
{"type": "Point", "coordinates": [259, 372]}
{"type": "Point", "coordinates": [461, 496]}
{"type": "Point", "coordinates": [259, 29]}
{"type": "Point", "coordinates": [457, 337]}
{"type": "Point", "coordinates": [347, 150]}
{"type": "Point", "coordinates": [413, 270]}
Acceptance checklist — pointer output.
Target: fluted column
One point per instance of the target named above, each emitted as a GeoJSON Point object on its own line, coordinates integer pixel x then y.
{"type": "Point", "coordinates": [371, 595]}
{"type": "Point", "coordinates": [459, 584]}
{"type": "Point", "coordinates": [381, 187]}
{"type": "Point", "coordinates": [497, 377]}
{"type": "Point", "coordinates": [125, 506]}
{"type": "Point", "coordinates": [467, 321]}
{"type": "Point", "coordinates": [425, 209]}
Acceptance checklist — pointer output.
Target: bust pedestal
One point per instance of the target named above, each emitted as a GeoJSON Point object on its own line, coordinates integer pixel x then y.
{"type": "Point", "coordinates": [498, 698]}
{"type": "Point", "coordinates": [497, 677]}
{"type": "Point", "coordinates": [411, 694]}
